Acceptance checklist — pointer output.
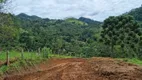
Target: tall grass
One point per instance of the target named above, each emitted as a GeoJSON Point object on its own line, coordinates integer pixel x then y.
{"type": "Point", "coordinates": [17, 55]}
{"type": "Point", "coordinates": [28, 55]}
{"type": "Point", "coordinates": [30, 59]}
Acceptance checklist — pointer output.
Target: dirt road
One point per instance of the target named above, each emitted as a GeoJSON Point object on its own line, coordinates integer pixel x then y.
{"type": "Point", "coordinates": [82, 69]}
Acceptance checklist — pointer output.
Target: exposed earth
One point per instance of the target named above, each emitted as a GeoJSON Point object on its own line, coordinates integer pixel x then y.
{"type": "Point", "coordinates": [80, 69]}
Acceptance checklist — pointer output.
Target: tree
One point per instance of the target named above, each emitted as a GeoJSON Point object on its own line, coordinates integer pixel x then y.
{"type": "Point", "coordinates": [3, 4]}
{"type": "Point", "coordinates": [1, 1]}
{"type": "Point", "coordinates": [8, 37]}
{"type": "Point", "coordinates": [121, 31]}
{"type": "Point", "coordinates": [26, 40]}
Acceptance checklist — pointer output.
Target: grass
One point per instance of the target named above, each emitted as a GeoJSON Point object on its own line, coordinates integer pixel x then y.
{"type": "Point", "coordinates": [30, 59]}
{"type": "Point", "coordinates": [28, 55]}
{"type": "Point", "coordinates": [14, 54]}
{"type": "Point", "coordinates": [18, 65]}
{"type": "Point", "coordinates": [133, 61]}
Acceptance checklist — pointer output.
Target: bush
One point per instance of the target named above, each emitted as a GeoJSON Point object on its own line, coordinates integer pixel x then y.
{"type": "Point", "coordinates": [46, 51]}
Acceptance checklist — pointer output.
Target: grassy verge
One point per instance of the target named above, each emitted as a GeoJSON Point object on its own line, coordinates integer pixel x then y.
{"type": "Point", "coordinates": [17, 55]}
{"type": "Point", "coordinates": [30, 59]}
{"type": "Point", "coordinates": [28, 55]}
{"type": "Point", "coordinates": [18, 65]}
{"type": "Point", "coordinates": [133, 61]}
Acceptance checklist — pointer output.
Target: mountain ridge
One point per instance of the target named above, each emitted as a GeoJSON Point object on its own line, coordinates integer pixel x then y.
{"type": "Point", "coordinates": [34, 17]}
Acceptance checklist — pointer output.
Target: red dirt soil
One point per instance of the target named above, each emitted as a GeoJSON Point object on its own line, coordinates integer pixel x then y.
{"type": "Point", "coordinates": [82, 69]}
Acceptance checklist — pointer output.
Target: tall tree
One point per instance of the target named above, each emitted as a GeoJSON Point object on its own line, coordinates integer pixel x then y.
{"type": "Point", "coordinates": [8, 37]}
{"type": "Point", "coordinates": [2, 4]}
{"type": "Point", "coordinates": [122, 31]}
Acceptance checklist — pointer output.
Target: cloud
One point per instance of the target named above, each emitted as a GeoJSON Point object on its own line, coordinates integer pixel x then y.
{"type": "Point", "coordinates": [59, 9]}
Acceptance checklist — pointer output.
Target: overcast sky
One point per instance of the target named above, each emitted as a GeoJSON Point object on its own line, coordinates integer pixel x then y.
{"type": "Point", "coordinates": [59, 9]}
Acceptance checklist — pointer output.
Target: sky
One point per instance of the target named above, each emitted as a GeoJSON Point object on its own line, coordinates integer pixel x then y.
{"type": "Point", "coordinates": [60, 9]}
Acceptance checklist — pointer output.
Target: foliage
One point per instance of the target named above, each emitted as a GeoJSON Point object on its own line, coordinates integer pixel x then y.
{"type": "Point", "coordinates": [74, 37]}
{"type": "Point", "coordinates": [1, 1]}
{"type": "Point", "coordinates": [136, 13]}
{"type": "Point", "coordinates": [89, 21]}
{"type": "Point", "coordinates": [46, 52]}
{"type": "Point", "coordinates": [8, 32]}
{"type": "Point", "coordinates": [132, 60]}
{"type": "Point", "coordinates": [123, 32]}
{"type": "Point", "coordinates": [18, 65]}
{"type": "Point", "coordinates": [67, 36]}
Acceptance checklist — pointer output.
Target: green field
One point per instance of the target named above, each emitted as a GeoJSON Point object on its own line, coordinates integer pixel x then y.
{"type": "Point", "coordinates": [28, 55]}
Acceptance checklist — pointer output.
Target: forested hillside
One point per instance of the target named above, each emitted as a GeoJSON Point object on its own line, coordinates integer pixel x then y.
{"type": "Point", "coordinates": [115, 37]}
{"type": "Point", "coordinates": [69, 36]}
{"type": "Point", "coordinates": [137, 14]}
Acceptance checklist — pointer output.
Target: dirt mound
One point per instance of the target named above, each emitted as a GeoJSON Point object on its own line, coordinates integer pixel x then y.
{"type": "Point", "coordinates": [82, 69]}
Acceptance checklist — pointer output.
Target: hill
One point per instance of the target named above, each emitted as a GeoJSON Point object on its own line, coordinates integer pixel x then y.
{"type": "Point", "coordinates": [137, 14]}
{"type": "Point", "coordinates": [26, 17]}
{"type": "Point", "coordinates": [81, 21]}
{"type": "Point", "coordinates": [89, 21]}
{"type": "Point", "coordinates": [68, 36]}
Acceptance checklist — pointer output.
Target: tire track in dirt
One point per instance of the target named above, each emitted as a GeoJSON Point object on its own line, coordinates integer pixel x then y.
{"type": "Point", "coordinates": [82, 69]}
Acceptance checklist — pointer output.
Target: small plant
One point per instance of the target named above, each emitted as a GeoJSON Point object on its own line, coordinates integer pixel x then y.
{"type": "Point", "coordinates": [46, 51]}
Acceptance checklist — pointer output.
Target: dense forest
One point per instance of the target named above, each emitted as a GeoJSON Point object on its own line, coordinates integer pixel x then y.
{"type": "Point", "coordinates": [118, 36]}
{"type": "Point", "coordinates": [137, 14]}
{"type": "Point", "coordinates": [69, 36]}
